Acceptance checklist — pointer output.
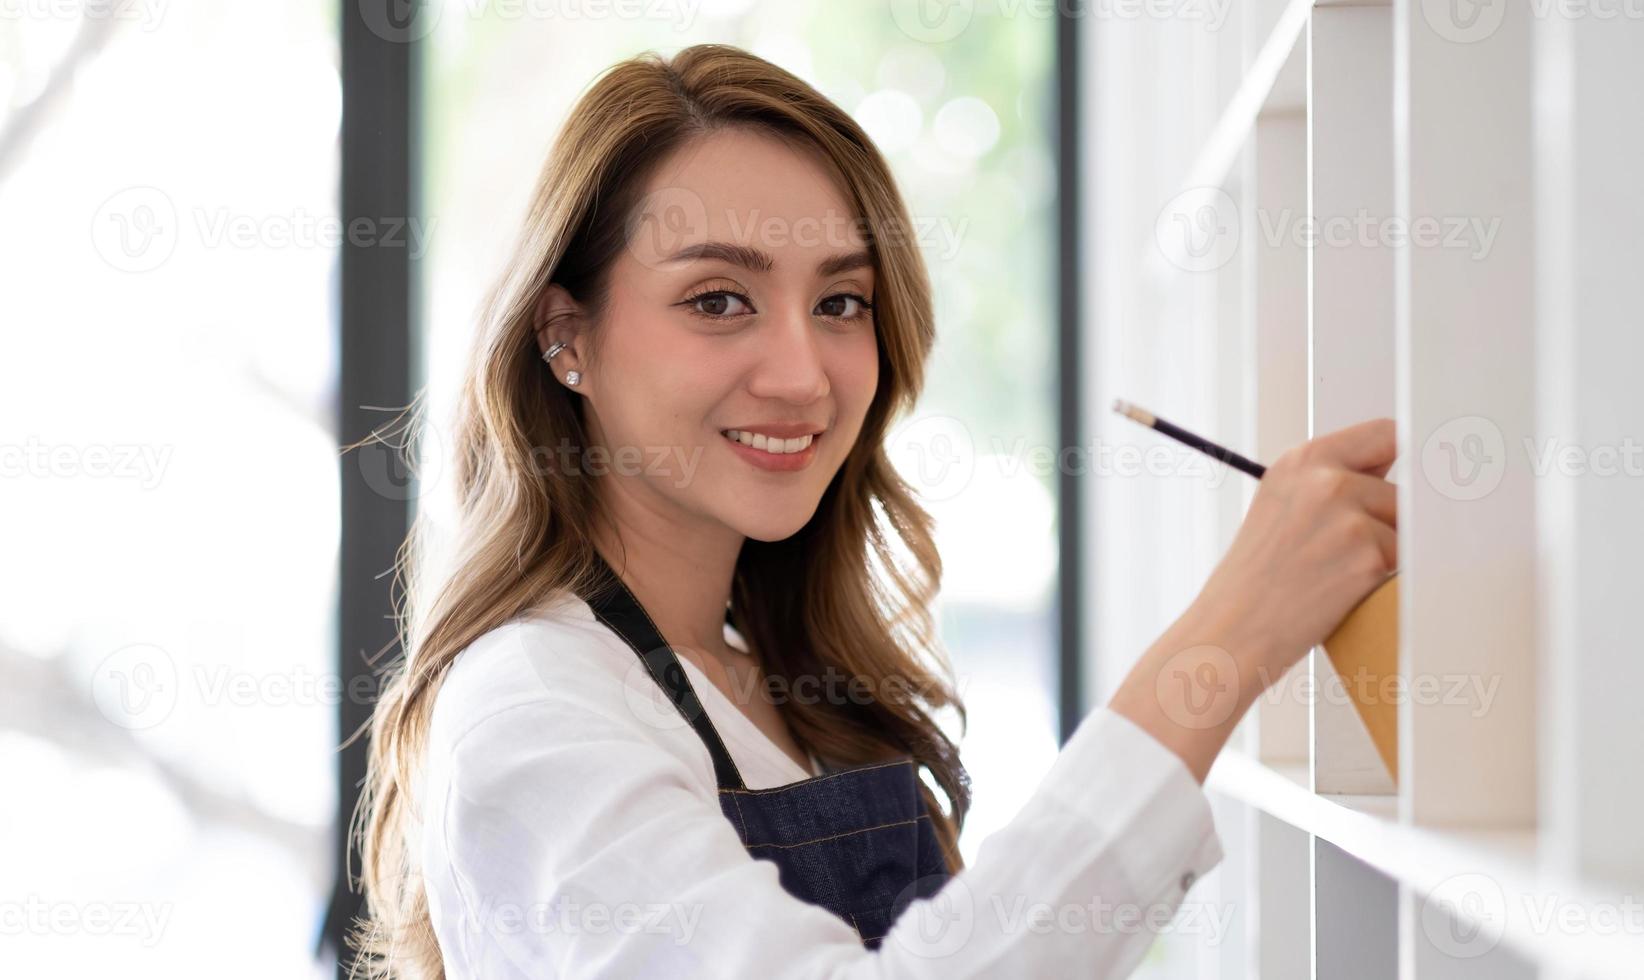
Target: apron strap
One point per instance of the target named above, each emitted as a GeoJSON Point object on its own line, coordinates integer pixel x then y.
{"type": "Point", "coordinates": [616, 606]}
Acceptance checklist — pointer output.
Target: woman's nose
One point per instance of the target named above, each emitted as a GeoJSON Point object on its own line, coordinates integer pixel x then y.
{"type": "Point", "coordinates": [791, 365]}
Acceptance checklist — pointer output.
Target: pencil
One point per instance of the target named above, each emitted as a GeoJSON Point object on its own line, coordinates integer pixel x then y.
{"type": "Point", "coordinates": [1180, 434]}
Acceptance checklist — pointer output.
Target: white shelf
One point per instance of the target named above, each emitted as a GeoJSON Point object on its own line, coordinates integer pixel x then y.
{"type": "Point", "coordinates": [1451, 864]}
{"type": "Point", "coordinates": [1214, 149]}
{"type": "Point", "coordinates": [1221, 149]}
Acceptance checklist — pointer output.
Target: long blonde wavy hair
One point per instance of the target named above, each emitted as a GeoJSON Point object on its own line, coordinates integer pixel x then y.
{"type": "Point", "coordinates": [850, 593]}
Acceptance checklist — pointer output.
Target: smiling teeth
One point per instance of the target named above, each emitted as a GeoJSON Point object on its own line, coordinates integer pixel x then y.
{"type": "Point", "coordinates": [776, 446]}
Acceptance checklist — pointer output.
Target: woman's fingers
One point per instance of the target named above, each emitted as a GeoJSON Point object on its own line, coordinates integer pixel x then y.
{"type": "Point", "coordinates": [1387, 540]}
{"type": "Point", "coordinates": [1379, 498]}
{"type": "Point", "coordinates": [1367, 447]}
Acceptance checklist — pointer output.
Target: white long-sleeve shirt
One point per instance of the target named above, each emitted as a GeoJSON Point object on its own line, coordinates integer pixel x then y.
{"type": "Point", "coordinates": [571, 827]}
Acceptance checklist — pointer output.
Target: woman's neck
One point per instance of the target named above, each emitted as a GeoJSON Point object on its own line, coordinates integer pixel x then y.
{"type": "Point", "coordinates": [681, 575]}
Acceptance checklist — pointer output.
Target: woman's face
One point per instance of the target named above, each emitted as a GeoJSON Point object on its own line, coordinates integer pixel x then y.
{"type": "Point", "coordinates": [741, 304]}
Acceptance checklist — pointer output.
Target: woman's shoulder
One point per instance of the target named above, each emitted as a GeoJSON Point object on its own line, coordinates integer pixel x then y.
{"type": "Point", "coordinates": [555, 652]}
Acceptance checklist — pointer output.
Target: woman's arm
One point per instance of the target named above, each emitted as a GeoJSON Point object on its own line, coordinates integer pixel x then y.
{"type": "Point", "coordinates": [567, 836]}
{"type": "Point", "coordinates": [1191, 687]}
{"type": "Point", "coordinates": [1320, 534]}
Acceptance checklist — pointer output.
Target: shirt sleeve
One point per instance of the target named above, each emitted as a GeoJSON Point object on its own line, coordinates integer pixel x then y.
{"type": "Point", "coordinates": [575, 843]}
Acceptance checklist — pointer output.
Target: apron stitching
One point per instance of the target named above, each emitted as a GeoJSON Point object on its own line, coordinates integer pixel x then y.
{"type": "Point", "coordinates": [848, 833]}
{"type": "Point", "coordinates": [740, 819]}
{"type": "Point", "coordinates": [816, 779]}
{"type": "Point", "coordinates": [809, 885]}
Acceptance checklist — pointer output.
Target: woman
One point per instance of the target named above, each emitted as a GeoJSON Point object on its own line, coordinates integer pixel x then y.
{"type": "Point", "coordinates": [666, 713]}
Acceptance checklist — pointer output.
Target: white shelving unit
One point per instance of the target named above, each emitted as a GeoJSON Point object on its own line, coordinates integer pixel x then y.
{"type": "Point", "coordinates": [1306, 214]}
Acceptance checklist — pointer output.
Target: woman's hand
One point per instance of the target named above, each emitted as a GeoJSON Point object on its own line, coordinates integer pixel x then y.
{"type": "Point", "coordinates": [1319, 536]}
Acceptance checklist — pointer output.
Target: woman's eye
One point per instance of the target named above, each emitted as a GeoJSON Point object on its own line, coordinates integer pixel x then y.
{"type": "Point", "coordinates": [844, 306]}
{"type": "Point", "coordinates": [720, 302]}
{"type": "Point", "coordinates": [723, 303]}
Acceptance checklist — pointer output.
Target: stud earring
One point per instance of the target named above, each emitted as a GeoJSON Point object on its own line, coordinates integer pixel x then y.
{"type": "Point", "coordinates": [572, 377]}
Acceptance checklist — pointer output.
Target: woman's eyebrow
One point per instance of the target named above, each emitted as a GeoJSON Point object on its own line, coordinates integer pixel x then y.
{"type": "Point", "coordinates": [757, 260]}
{"type": "Point", "coordinates": [845, 262]}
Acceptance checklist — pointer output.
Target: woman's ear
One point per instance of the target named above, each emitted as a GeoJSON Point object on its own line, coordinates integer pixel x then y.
{"type": "Point", "coordinates": [559, 319]}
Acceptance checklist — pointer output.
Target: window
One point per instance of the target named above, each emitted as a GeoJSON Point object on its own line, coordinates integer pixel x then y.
{"type": "Point", "coordinates": [167, 199]}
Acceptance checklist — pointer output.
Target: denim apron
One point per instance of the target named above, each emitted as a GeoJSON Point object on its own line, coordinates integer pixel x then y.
{"type": "Point", "coordinates": [857, 841]}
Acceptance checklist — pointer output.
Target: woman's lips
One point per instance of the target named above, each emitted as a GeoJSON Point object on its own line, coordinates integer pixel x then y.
{"type": "Point", "coordinates": [774, 462]}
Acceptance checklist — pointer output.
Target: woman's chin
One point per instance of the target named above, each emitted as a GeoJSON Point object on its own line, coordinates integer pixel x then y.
{"type": "Point", "coordinates": [772, 524]}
